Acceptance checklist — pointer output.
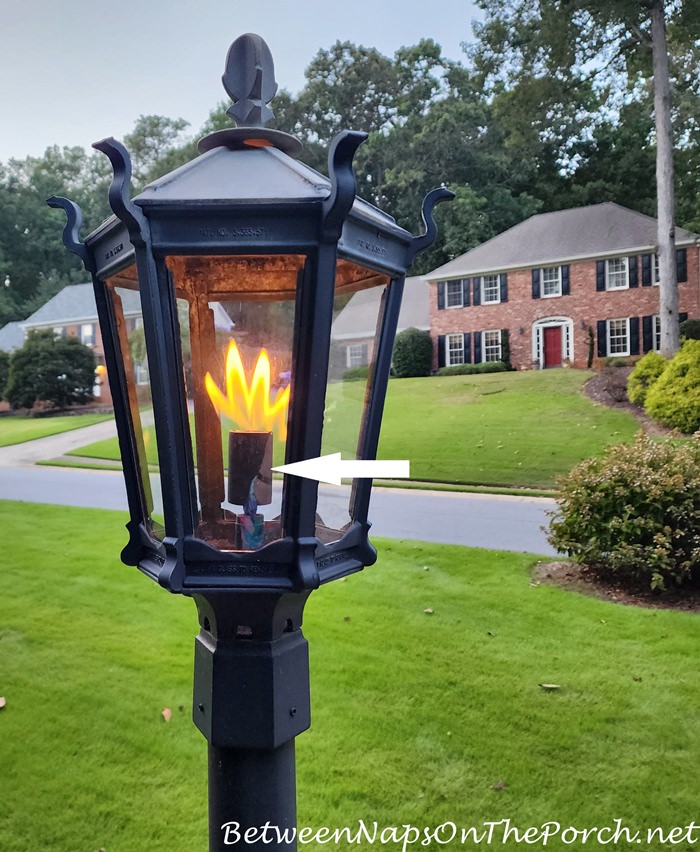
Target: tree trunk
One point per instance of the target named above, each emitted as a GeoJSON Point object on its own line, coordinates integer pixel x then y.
{"type": "Point", "coordinates": [666, 247]}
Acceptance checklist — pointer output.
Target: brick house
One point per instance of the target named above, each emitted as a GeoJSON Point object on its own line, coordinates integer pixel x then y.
{"type": "Point", "coordinates": [559, 288]}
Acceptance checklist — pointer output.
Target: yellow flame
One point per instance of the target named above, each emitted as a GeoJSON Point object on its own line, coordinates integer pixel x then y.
{"type": "Point", "coordinates": [250, 406]}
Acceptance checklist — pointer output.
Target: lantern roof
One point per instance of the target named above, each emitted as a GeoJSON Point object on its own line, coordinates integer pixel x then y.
{"type": "Point", "coordinates": [257, 176]}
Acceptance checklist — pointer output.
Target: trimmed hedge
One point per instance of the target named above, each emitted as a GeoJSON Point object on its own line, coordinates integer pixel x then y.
{"type": "Point", "coordinates": [634, 513]}
{"type": "Point", "coordinates": [356, 374]}
{"type": "Point", "coordinates": [645, 373]}
{"type": "Point", "coordinates": [471, 369]}
{"type": "Point", "coordinates": [674, 398]}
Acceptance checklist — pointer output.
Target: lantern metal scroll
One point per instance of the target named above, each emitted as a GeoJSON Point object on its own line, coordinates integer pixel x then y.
{"type": "Point", "coordinates": [247, 236]}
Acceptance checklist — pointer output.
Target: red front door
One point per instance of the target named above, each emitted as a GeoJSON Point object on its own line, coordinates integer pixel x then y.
{"type": "Point", "coordinates": [552, 346]}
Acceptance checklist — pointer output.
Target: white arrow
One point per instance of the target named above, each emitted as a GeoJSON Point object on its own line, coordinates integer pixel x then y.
{"type": "Point", "coordinates": [332, 469]}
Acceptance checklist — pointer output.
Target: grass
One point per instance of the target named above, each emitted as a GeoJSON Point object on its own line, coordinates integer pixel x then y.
{"type": "Point", "coordinates": [16, 430]}
{"type": "Point", "coordinates": [417, 717]}
{"type": "Point", "coordinates": [508, 430]}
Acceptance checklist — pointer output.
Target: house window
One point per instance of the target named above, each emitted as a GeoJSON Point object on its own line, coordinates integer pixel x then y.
{"type": "Point", "coordinates": [490, 289]}
{"type": "Point", "coordinates": [655, 270]}
{"type": "Point", "coordinates": [453, 294]}
{"type": "Point", "coordinates": [59, 331]}
{"type": "Point", "coordinates": [87, 334]}
{"type": "Point", "coordinates": [618, 336]}
{"type": "Point", "coordinates": [357, 355]}
{"type": "Point", "coordinates": [454, 351]}
{"type": "Point", "coordinates": [616, 277]}
{"type": "Point", "coordinates": [492, 345]}
{"type": "Point", "coordinates": [551, 281]}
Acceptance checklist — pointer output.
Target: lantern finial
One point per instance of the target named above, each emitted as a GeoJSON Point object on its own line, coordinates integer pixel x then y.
{"type": "Point", "coordinates": [249, 79]}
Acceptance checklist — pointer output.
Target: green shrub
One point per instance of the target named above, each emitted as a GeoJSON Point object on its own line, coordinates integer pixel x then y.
{"type": "Point", "coordinates": [674, 398]}
{"type": "Point", "coordinates": [413, 353]}
{"type": "Point", "coordinates": [646, 372]}
{"type": "Point", "coordinates": [472, 369]}
{"type": "Point", "coordinates": [690, 329]}
{"type": "Point", "coordinates": [356, 374]}
{"type": "Point", "coordinates": [634, 513]}
{"type": "Point", "coordinates": [50, 369]}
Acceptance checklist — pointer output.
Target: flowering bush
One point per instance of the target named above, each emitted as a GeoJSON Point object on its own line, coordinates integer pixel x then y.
{"type": "Point", "coordinates": [634, 513]}
{"type": "Point", "coordinates": [674, 398]}
{"type": "Point", "coordinates": [646, 372]}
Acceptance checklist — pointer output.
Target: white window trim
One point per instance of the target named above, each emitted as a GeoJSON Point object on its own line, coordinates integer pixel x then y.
{"type": "Point", "coordinates": [656, 333]}
{"type": "Point", "coordinates": [607, 273]}
{"type": "Point", "coordinates": [495, 301]}
{"type": "Point", "coordinates": [544, 295]}
{"type": "Point", "coordinates": [448, 360]}
{"type": "Point", "coordinates": [497, 331]}
{"type": "Point", "coordinates": [459, 281]}
{"type": "Point", "coordinates": [624, 354]}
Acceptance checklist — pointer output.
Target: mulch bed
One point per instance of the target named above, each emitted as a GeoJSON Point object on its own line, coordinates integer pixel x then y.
{"type": "Point", "coordinates": [582, 579]}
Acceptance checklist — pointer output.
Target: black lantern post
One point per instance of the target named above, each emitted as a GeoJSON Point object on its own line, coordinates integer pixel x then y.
{"type": "Point", "coordinates": [239, 260]}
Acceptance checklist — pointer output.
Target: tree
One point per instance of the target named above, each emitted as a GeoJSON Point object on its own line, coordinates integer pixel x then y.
{"type": "Point", "coordinates": [52, 369]}
{"type": "Point", "coordinates": [611, 50]}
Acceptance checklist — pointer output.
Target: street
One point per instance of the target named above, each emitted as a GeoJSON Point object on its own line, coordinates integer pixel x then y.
{"type": "Point", "coordinates": [477, 520]}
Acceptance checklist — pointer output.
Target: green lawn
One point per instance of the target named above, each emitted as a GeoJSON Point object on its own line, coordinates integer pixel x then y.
{"type": "Point", "coordinates": [16, 430]}
{"type": "Point", "coordinates": [417, 717]}
{"type": "Point", "coordinates": [504, 429]}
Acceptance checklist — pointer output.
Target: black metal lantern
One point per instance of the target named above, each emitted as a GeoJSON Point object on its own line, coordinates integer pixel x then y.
{"type": "Point", "coordinates": [240, 260]}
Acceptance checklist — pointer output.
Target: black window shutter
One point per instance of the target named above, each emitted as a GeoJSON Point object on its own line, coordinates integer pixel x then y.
{"type": "Point", "coordinates": [442, 343]}
{"type": "Point", "coordinates": [682, 317]}
{"type": "Point", "coordinates": [602, 338]}
{"type": "Point", "coordinates": [465, 292]}
{"type": "Point", "coordinates": [647, 334]}
{"type": "Point", "coordinates": [681, 265]}
{"type": "Point", "coordinates": [634, 335]}
{"type": "Point", "coordinates": [441, 295]}
{"type": "Point", "coordinates": [504, 286]}
{"type": "Point", "coordinates": [565, 281]}
{"type": "Point", "coordinates": [535, 283]}
{"type": "Point", "coordinates": [633, 277]}
{"type": "Point", "coordinates": [467, 347]}
{"type": "Point", "coordinates": [477, 290]}
{"type": "Point", "coordinates": [646, 270]}
{"type": "Point", "coordinates": [600, 275]}
{"type": "Point", "coordinates": [477, 347]}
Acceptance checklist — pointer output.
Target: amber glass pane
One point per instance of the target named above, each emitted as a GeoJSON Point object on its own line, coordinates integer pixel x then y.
{"type": "Point", "coordinates": [236, 318]}
{"type": "Point", "coordinates": [357, 311]}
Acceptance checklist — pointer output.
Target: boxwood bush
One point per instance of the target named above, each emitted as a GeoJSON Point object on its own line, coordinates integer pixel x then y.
{"type": "Point", "coordinates": [674, 398]}
{"type": "Point", "coordinates": [634, 513]}
{"type": "Point", "coordinates": [645, 373]}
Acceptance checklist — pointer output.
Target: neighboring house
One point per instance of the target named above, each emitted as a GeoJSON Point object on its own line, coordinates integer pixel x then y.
{"type": "Point", "coordinates": [72, 312]}
{"type": "Point", "coordinates": [559, 288]}
{"type": "Point", "coordinates": [354, 329]}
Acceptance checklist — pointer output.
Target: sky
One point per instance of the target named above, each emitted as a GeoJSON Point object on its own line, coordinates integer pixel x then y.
{"type": "Point", "coordinates": [75, 71]}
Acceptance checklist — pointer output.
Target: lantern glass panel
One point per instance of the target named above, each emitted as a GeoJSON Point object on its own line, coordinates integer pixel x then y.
{"type": "Point", "coordinates": [236, 320]}
{"type": "Point", "coordinates": [123, 292]}
{"type": "Point", "coordinates": [357, 311]}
